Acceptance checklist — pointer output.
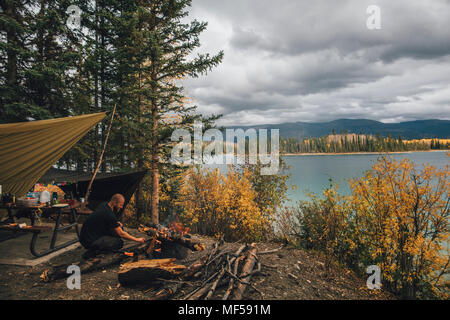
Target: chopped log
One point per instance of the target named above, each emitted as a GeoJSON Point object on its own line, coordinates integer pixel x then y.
{"type": "Point", "coordinates": [246, 271]}
{"type": "Point", "coordinates": [98, 262]}
{"type": "Point", "coordinates": [148, 271]}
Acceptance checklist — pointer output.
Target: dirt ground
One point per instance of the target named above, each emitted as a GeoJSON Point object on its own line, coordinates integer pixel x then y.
{"type": "Point", "coordinates": [293, 274]}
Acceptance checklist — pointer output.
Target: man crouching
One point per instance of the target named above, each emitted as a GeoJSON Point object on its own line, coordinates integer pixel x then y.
{"type": "Point", "coordinates": [102, 231]}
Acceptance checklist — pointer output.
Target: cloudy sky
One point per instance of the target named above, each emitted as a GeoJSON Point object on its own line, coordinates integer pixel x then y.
{"type": "Point", "coordinates": [299, 60]}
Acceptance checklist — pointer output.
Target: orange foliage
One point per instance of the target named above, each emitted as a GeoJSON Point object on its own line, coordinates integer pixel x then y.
{"type": "Point", "coordinates": [400, 220]}
{"type": "Point", "coordinates": [219, 205]}
{"type": "Point", "coordinates": [397, 217]}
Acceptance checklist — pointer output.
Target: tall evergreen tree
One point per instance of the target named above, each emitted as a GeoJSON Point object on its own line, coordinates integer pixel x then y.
{"type": "Point", "coordinates": [158, 54]}
{"type": "Point", "coordinates": [15, 53]}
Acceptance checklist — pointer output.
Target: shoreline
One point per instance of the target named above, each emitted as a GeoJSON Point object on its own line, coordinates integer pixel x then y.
{"type": "Point", "coordinates": [352, 153]}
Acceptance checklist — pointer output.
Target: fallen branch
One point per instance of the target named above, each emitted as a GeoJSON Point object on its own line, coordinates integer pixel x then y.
{"type": "Point", "coordinates": [202, 288]}
{"type": "Point", "coordinates": [247, 268]}
{"type": "Point", "coordinates": [233, 276]}
{"type": "Point", "coordinates": [271, 251]}
{"type": "Point", "coordinates": [86, 266]}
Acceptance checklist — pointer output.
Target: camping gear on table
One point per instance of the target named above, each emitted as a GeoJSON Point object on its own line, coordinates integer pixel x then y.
{"type": "Point", "coordinates": [45, 196]}
{"type": "Point", "coordinates": [27, 201]}
{"type": "Point", "coordinates": [105, 185]}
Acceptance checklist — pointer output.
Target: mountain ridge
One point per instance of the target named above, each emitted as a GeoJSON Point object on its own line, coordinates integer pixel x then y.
{"type": "Point", "coordinates": [415, 129]}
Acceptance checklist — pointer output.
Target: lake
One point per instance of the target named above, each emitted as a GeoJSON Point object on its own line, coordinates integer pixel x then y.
{"type": "Point", "coordinates": [311, 173]}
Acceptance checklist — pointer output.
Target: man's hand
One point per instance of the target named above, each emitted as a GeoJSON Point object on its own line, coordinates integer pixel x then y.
{"type": "Point", "coordinates": [141, 240]}
{"type": "Point", "coordinates": [127, 236]}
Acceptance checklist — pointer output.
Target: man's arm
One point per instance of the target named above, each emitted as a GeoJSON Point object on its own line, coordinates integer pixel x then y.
{"type": "Point", "coordinates": [123, 234]}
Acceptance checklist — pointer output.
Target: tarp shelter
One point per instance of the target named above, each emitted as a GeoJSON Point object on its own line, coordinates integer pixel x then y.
{"type": "Point", "coordinates": [29, 149]}
{"type": "Point", "coordinates": [104, 186]}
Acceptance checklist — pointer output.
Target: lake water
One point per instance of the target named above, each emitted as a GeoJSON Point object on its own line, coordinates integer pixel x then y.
{"type": "Point", "coordinates": [311, 173]}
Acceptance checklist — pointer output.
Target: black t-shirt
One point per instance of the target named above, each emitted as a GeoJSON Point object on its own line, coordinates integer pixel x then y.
{"type": "Point", "coordinates": [101, 222]}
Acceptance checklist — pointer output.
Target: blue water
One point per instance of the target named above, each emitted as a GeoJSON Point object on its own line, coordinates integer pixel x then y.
{"type": "Point", "coordinates": [311, 173]}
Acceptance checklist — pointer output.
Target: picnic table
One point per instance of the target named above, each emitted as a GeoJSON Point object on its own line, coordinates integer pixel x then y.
{"type": "Point", "coordinates": [34, 213]}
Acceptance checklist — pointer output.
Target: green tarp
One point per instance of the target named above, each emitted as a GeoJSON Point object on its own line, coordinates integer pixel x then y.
{"type": "Point", "coordinates": [29, 149]}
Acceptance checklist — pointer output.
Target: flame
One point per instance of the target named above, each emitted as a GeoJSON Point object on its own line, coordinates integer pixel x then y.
{"type": "Point", "coordinates": [179, 228]}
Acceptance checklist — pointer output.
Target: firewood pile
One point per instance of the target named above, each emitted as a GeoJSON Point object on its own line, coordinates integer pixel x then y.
{"type": "Point", "coordinates": [218, 274]}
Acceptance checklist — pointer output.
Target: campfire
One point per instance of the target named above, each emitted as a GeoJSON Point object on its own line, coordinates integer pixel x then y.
{"type": "Point", "coordinates": [217, 274]}
{"type": "Point", "coordinates": [172, 242]}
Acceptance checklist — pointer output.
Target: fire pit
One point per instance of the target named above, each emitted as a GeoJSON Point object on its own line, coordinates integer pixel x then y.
{"type": "Point", "coordinates": [171, 242]}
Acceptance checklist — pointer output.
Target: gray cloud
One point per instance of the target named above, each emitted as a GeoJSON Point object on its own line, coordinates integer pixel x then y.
{"type": "Point", "coordinates": [292, 60]}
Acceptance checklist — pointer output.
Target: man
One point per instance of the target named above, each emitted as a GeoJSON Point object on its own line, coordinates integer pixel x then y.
{"type": "Point", "coordinates": [102, 231]}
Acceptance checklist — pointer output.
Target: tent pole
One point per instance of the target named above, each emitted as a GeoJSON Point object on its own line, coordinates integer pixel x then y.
{"type": "Point", "coordinates": [88, 191]}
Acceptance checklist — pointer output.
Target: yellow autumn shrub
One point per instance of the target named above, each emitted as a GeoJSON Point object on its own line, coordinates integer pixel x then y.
{"type": "Point", "coordinates": [221, 205]}
{"type": "Point", "coordinates": [396, 217]}
{"type": "Point", "coordinates": [400, 222]}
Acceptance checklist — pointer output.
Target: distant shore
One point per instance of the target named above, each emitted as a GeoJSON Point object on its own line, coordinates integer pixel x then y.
{"type": "Point", "coordinates": [350, 153]}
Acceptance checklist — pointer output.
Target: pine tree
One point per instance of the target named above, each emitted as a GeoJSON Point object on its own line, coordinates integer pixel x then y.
{"type": "Point", "coordinates": [15, 54]}
{"type": "Point", "coordinates": [156, 53]}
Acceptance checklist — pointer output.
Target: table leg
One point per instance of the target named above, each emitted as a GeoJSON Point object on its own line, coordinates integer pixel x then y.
{"type": "Point", "coordinates": [55, 232]}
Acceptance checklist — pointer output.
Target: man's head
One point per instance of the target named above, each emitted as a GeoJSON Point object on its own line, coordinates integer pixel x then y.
{"type": "Point", "coordinates": [117, 201]}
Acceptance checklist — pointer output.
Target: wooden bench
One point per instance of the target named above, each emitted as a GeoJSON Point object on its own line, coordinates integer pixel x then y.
{"type": "Point", "coordinates": [55, 213]}
{"type": "Point", "coordinates": [31, 229]}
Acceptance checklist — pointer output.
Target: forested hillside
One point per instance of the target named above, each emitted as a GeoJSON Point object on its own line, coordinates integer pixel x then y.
{"type": "Point", "coordinates": [359, 143]}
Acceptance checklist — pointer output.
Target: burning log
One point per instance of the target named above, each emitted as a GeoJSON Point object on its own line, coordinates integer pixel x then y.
{"type": "Point", "coordinates": [148, 271]}
{"type": "Point", "coordinates": [174, 234]}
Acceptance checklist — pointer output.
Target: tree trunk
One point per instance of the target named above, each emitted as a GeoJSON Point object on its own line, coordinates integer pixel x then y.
{"type": "Point", "coordinates": [155, 174]}
{"type": "Point", "coordinates": [155, 136]}
{"type": "Point", "coordinates": [11, 37]}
